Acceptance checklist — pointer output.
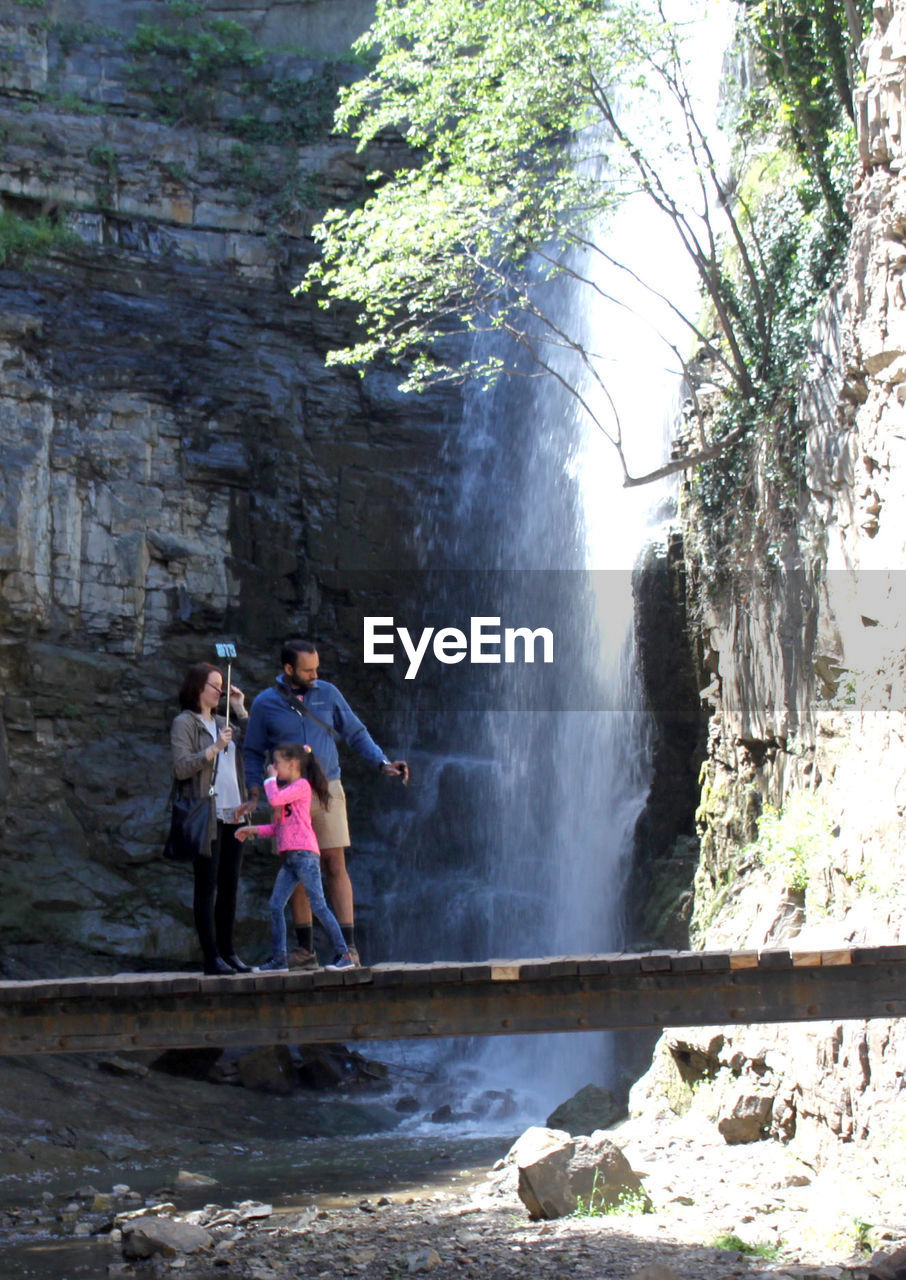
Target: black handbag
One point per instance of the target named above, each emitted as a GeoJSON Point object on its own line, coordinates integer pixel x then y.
{"type": "Point", "coordinates": [190, 824]}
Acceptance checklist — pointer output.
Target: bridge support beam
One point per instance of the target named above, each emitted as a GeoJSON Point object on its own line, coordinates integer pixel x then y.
{"type": "Point", "coordinates": [578, 993]}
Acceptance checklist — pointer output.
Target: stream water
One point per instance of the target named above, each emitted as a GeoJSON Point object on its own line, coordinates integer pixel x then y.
{"type": "Point", "coordinates": [288, 1176]}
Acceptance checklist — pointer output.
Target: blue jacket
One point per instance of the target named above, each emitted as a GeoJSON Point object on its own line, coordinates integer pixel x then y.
{"type": "Point", "coordinates": [272, 721]}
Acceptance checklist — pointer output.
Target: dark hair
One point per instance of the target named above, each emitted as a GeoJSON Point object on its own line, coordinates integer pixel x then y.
{"type": "Point", "coordinates": [195, 680]}
{"type": "Point", "coordinates": [292, 648]}
{"type": "Point", "coordinates": [309, 766]}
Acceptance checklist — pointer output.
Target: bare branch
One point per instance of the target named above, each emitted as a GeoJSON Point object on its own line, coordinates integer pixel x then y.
{"type": "Point", "coordinates": [676, 465]}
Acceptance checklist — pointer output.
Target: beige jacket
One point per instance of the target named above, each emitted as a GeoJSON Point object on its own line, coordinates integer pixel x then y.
{"type": "Point", "coordinates": [189, 740]}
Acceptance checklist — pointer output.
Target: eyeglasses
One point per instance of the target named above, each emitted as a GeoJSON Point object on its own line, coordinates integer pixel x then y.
{"type": "Point", "coordinates": [218, 687]}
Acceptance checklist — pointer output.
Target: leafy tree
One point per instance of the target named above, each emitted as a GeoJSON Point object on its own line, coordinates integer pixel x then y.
{"type": "Point", "coordinates": [529, 121]}
{"type": "Point", "coordinates": [807, 53]}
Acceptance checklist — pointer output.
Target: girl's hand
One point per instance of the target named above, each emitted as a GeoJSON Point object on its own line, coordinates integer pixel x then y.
{"type": "Point", "coordinates": [271, 771]}
{"type": "Point", "coordinates": [246, 833]}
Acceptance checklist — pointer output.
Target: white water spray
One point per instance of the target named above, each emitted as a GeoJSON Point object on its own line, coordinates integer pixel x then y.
{"type": "Point", "coordinates": [546, 801]}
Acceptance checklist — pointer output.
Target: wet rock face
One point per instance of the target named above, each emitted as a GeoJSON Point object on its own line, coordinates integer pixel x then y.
{"type": "Point", "coordinates": [665, 849]}
{"type": "Point", "coordinates": [178, 462]}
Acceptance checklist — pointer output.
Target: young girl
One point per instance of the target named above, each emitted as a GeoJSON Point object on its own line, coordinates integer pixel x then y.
{"type": "Point", "coordinates": [291, 779]}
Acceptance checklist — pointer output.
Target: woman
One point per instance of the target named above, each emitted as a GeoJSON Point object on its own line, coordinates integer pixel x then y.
{"type": "Point", "coordinates": [200, 740]}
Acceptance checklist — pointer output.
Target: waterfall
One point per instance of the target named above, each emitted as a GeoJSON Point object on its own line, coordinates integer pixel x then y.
{"type": "Point", "coordinates": [531, 789]}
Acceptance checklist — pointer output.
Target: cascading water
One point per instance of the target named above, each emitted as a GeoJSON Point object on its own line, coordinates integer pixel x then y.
{"type": "Point", "coordinates": [531, 791]}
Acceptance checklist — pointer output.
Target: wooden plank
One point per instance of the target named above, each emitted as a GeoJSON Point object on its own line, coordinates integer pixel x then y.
{"type": "Point", "coordinates": [842, 956]}
{"type": "Point", "coordinates": [441, 972]}
{"type": "Point", "coordinates": [743, 960]}
{"type": "Point", "coordinates": [78, 988]}
{"type": "Point", "coordinates": [877, 955]}
{"type": "Point", "coordinates": [243, 982]}
{"type": "Point", "coordinates": [628, 963]}
{"type": "Point", "coordinates": [774, 958]}
{"type": "Point", "coordinates": [186, 983]}
{"type": "Point", "coordinates": [686, 962]}
{"type": "Point", "coordinates": [128, 986]}
{"type": "Point", "coordinates": [357, 977]}
{"type": "Point", "coordinates": [505, 972]}
{"type": "Point", "coordinates": [656, 961]}
{"type": "Point", "coordinates": [597, 963]}
{"type": "Point", "coordinates": [715, 961]}
{"type": "Point", "coordinates": [219, 985]}
{"type": "Point", "coordinates": [805, 959]}
{"type": "Point", "coordinates": [475, 973]}
{"type": "Point", "coordinates": [13, 991]}
{"type": "Point", "coordinates": [385, 975]}
{"type": "Point", "coordinates": [327, 978]}
{"type": "Point", "coordinates": [294, 980]}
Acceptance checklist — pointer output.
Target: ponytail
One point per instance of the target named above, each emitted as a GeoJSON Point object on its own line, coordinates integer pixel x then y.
{"type": "Point", "coordinates": [309, 767]}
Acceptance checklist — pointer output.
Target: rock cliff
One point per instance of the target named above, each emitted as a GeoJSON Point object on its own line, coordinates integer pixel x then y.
{"type": "Point", "coordinates": [805, 680]}
{"type": "Point", "coordinates": [177, 461]}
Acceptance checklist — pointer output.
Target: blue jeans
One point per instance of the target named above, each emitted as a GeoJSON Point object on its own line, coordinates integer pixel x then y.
{"type": "Point", "coordinates": [300, 865]}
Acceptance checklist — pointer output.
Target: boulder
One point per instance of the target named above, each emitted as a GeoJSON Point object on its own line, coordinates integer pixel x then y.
{"type": "Point", "coordinates": [195, 1064]}
{"type": "Point", "coordinates": [557, 1171]}
{"type": "Point", "coordinates": [887, 1266]}
{"type": "Point", "coordinates": [590, 1109]}
{"type": "Point", "coordinates": [146, 1237]}
{"type": "Point", "coordinates": [270, 1070]}
{"type": "Point", "coordinates": [748, 1118]}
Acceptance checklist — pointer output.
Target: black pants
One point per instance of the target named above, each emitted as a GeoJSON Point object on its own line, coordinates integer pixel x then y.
{"type": "Point", "coordinates": [216, 885]}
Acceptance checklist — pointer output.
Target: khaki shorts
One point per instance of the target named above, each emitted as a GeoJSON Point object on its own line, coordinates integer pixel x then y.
{"type": "Point", "coordinates": [331, 825]}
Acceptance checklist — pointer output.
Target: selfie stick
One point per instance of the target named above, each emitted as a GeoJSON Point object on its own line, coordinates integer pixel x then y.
{"type": "Point", "coordinates": [227, 651]}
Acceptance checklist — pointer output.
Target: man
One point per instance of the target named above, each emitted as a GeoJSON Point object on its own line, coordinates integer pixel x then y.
{"type": "Point", "coordinates": [299, 707]}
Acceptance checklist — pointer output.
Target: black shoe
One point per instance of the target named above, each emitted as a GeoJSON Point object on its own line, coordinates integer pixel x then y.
{"type": "Point", "coordinates": [237, 965]}
{"type": "Point", "coordinates": [218, 966]}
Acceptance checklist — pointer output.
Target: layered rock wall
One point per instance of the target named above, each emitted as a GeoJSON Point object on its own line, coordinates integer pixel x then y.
{"type": "Point", "coordinates": [806, 680]}
{"type": "Point", "coordinates": [178, 463]}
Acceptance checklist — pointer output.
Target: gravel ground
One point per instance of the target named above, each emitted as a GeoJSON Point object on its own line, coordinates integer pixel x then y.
{"type": "Point", "coordinates": [714, 1205]}
{"type": "Point", "coordinates": [719, 1212]}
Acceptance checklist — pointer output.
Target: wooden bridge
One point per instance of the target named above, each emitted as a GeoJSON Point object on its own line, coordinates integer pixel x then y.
{"type": "Point", "coordinates": [499, 997]}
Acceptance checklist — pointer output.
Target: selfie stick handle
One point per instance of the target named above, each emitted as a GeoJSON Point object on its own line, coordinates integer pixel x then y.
{"type": "Point", "coordinates": [229, 677]}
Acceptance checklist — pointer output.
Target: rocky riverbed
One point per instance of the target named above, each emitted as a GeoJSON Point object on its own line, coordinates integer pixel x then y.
{"type": "Point", "coordinates": [110, 1175]}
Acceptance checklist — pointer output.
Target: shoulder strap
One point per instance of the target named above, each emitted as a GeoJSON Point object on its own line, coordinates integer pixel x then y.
{"type": "Point", "coordinates": [214, 774]}
{"type": "Point", "coordinates": [301, 709]}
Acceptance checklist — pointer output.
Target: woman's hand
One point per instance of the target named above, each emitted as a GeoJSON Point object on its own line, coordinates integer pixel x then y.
{"type": "Point", "coordinates": [245, 833]}
{"type": "Point", "coordinates": [224, 738]}
{"type": "Point", "coordinates": [245, 808]}
{"type": "Point", "coordinates": [237, 699]}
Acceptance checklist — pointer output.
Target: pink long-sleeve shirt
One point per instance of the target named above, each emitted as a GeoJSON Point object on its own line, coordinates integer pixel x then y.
{"type": "Point", "coordinates": [292, 815]}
